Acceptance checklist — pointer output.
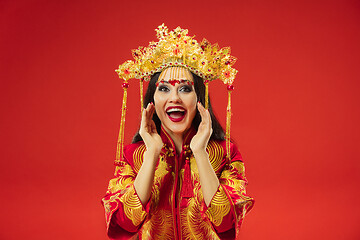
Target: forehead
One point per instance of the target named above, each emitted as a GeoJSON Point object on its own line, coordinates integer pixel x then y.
{"type": "Point", "coordinates": [176, 73]}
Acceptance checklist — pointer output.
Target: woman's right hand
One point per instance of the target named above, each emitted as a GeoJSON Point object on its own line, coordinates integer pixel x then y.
{"type": "Point", "coordinates": [148, 131]}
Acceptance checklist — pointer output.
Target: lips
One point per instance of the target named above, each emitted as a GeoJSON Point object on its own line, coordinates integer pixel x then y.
{"type": "Point", "coordinates": [176, 113]}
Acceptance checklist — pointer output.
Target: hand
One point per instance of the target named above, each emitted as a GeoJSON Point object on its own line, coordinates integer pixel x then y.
{"type": "Point", "coordinates": [148, 131]}
{"type": "Point", "coordinates": [200, 141]}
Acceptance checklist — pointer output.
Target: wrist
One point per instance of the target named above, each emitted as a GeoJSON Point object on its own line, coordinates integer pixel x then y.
{"type": "Point", "coordinates": [152, 152]}
{"type": "Point", "coordinates": [200, 152]}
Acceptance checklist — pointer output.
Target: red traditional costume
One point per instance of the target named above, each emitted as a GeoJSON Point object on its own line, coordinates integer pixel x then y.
{"type": "Point", "coordinates": [174, 212]}
{"type": "Point", "coordinates": [176, 208]}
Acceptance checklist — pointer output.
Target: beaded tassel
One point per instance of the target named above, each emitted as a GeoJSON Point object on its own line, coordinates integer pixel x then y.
{"type": "Point", "coordinates": [120, 143]}
{"type": "Point", "coordinates": [228, 122]}
{"type": "Point", "coordinates": [141, 94]}
{"type": "Point", "coordinates": [206, 94]}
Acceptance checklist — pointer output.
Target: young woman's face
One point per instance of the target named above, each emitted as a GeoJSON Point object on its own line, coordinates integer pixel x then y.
{"type": "Point", "coordinates": [175, 99]}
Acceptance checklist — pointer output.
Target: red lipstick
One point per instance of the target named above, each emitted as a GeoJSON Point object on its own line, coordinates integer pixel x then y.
{"type": "Point", "coordinates": [176, 113]}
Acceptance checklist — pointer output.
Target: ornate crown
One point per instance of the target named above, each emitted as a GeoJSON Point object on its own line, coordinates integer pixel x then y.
{"type": "Point", "coordinates": [176, 48]}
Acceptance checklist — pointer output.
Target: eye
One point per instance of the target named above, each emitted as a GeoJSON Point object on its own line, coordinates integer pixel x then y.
{"type": "Point", "coordinates": [163, 88]}
{"type": "Point", "coordinates": [185, 88]}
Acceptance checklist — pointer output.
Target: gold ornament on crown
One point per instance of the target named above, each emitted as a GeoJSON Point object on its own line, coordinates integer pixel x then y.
{"type": "Point", "coordinates": [177, 49]}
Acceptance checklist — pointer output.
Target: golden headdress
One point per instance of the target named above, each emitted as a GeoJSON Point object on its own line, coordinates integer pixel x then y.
{"type": "Point", "coordinates": [177, 48]}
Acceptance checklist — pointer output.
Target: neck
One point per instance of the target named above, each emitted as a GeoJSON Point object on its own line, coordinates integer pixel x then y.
{"type": "Point", "coordinates": [178, 141]}
{"type": "Point", "coordinates": [177, 138]}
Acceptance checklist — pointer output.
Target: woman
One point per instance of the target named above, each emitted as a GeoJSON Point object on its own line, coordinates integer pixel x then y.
{"type": "Point", "coordinates": [174, 181]}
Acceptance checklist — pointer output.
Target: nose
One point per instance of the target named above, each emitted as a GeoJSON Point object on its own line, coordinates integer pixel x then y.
{"type": "Point", "coordinates": [174, 97]}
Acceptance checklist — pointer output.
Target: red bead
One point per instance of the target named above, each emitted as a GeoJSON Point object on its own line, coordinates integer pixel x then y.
{"type": "Point", "coordinates": [227, 63]}
{"type": "Point", "coordinates": [125, 85]}
{"type": "Point", "coordinates": [230, 87]}
{"type": "Point", "coordinates": [206, 81]}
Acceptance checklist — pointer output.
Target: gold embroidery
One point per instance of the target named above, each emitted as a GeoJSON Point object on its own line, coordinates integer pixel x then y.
{"type": "Point", "coordinates": [220, 207]}
{"type": "Point", "coordinates": [107, 203]}
{"type": "Point", "coordinates": [132, 206]}
{"type": "Point", "coordinates": [159, 226]}
{"type": "Point", "coordinates": [125, 176]}
{"type": "Point", "coordinates": [160, 173]}
{"type": "Point", "coordinates": [235, 177]}
{"type": "Point", "coordinates": [138, 157]}
{"type": "Point", "coordinates": [194, 226]}
{"type": "Point", "coordinates": [216, 155]}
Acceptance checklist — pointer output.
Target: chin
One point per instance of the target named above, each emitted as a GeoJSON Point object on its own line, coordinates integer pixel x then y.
{"type": "Point", "coordinates": [180, 129]}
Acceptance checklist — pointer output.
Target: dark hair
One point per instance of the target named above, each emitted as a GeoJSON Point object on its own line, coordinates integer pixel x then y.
{"type": "Point", "coordinates": [218, 132]}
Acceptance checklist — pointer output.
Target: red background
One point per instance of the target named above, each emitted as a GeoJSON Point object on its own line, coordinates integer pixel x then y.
{"type": "Point", "coordinates": [296, 109]}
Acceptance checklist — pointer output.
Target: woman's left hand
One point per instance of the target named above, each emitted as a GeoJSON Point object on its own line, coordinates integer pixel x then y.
{"type": "Point", "coordinates": [200, 141]}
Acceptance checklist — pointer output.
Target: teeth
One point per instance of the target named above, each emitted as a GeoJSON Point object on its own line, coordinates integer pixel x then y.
{"type": "Point", "coordinates": [175, 110]}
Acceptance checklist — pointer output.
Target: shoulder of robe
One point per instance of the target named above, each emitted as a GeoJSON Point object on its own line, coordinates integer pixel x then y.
{"type": "Point", "coordinates": [133, 154]}
{"type": "Point", "coordinates": [217, 149]}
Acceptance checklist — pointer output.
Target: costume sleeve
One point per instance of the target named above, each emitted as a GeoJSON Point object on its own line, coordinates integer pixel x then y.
{"type": "Point", "coordinates": [123, 208]}
{"type": "Point", "coordinates": [230, 203]}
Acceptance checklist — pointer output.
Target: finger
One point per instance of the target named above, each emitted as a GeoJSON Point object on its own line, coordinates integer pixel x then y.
{"type": "Point", "coordinates": [145, 117]}
{"type": "Point", "coordinates": [153, 127]}
{"type": "Point", "coordinates": [149, 115]}
{"type": "Point", "coordinates": [204, 113]}
{"type": "Point", "coordinates": [151, 111]}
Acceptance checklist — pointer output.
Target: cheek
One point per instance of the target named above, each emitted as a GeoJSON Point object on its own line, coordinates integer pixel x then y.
{"type": "Point", "coordinates": [159, 97]}
{"type": "Point", "coordinates": [159, 103]}
{"type": "Point", "coordinates": [192, 104]}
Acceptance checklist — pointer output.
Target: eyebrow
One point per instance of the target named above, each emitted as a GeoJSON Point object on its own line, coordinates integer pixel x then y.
{"type": "Point", "coordinates": [174, 81]}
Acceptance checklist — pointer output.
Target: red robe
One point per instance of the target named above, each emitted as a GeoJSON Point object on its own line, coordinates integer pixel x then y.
{"type": "Point", "coordinates": [174, 211]}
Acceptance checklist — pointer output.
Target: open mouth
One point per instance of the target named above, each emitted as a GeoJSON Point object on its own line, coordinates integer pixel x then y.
{"type": "Point", "coordinates": [176, 114]}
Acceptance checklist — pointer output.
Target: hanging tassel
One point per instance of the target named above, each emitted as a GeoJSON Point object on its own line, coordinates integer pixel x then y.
{"type": "Point", "coordinates": [206, 94]}
{"type": "Point", "coordinates": [141, 94]}
{"type": "Point", "coordinates": [228, 122]}
{"type": "Point", "coordinates": [187, 187]}
{"type": "Point", "coordinates": [120, 143]}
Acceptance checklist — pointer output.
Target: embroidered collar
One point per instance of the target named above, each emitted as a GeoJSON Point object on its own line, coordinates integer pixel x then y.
{"type": "Point", "coordinates": [169, 145]}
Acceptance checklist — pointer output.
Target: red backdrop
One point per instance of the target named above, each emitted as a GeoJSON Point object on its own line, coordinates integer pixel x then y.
{"type": "Point", "coordinates": [296, 109]}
